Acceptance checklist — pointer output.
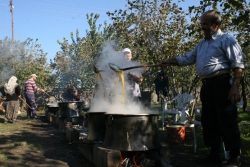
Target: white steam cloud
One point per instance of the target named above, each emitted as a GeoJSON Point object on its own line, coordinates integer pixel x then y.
{"type": "Point", "coordinates": [109, 97]}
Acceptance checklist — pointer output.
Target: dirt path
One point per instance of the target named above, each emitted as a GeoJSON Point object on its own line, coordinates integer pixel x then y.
{"type": "Point", "coordinates": [36, 143]}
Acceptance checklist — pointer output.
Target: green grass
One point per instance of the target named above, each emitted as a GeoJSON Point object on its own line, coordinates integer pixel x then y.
{"type": "Point", "coordinates": [12, 128]}
{"type": "Point", "coordinates": [13, 148]}
{"type": "Point", "coordinates": [3, 157]}
{"type": "Point", "coordinates": [244, 126]}
{"type": "Point", "coordinates": [33, 146]}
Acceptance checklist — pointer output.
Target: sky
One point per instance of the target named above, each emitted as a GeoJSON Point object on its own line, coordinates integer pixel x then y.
{"type": "Point", "coordinates": [52, 20]}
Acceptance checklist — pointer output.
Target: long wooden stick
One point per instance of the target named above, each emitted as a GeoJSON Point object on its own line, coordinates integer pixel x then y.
{"type": "Point", "coordinates": [46, 93]}
{"type": "Point", "coordinates": [49, 96]}
{"type": "Point", "coordinates": [25, 102]}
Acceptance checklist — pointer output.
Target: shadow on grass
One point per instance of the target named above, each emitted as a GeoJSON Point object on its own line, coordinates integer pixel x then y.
{"type": "Point", "coordinates": [33, 142]}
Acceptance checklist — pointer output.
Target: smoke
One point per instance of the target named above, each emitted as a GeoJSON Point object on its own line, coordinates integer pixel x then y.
{"type": "Point", "coordinates": [109, 97]}
{"type": "Point", "coordinates": [9, 59]}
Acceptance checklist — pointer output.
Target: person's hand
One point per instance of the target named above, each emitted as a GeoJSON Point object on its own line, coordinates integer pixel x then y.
{"type": "Point", "coordinates": [42, 90]}
{"type": "Point", "coordinates": [234, 94]}
{"type": "Point", "coordinates": [168, 62]}
{"type": "Point", "coordinates": [165, 61]}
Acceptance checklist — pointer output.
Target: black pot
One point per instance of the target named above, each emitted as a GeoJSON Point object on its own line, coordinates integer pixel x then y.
{"type": "Point", "coordinates": [96, 126]}
{"type": "Point", "coordinates": [70, 109]}
{"type": "Point", "coordinates": [131, 132]}
{"type": "Point", "coordinates": [86, 105]}
{"type": "Point", "coordinates": [53, 109]}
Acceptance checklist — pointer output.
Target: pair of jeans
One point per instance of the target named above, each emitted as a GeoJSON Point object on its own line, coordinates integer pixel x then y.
{"type": "Point", "coordinates": [31, 101]}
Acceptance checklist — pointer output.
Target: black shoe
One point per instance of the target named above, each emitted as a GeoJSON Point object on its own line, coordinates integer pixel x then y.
{"type": "Point", "coordinates": [14, 121]}
{"type": "Point", "coordinates": [210, 159]}
{"type": "Point", "coordinates": [233, 162]}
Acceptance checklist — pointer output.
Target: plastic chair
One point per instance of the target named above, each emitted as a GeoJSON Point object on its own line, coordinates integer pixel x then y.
{"type": "Point", "coordinates": [183, 100]}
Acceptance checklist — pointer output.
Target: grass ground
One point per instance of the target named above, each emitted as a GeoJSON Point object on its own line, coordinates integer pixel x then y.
{"type": "Point", "coordinates": [32, 143]}
{"type": "Point", "coordinates": [35, 143]}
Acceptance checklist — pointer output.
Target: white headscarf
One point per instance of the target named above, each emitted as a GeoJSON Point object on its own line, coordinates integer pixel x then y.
{"type": "Point", "coordinates": [9, 87]}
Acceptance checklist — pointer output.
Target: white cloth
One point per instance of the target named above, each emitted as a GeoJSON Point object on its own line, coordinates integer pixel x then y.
{"type": "Point", "coordinates": [136, 91]}
{"type": "Point", "coordinates": [9, 87]}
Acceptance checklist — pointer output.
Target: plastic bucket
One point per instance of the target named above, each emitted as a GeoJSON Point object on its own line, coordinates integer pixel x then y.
{"type": "Point", "coordinates": [175, 133]}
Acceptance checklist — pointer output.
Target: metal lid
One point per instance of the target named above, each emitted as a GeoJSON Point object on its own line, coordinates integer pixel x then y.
{"type": "Point", "coordinates": [131, 114]}
{"type": "Point", "coordinates": [70, 102]}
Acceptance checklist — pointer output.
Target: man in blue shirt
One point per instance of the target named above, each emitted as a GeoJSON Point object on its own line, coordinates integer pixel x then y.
{"type": "Point", "coordinates": [215, 56]}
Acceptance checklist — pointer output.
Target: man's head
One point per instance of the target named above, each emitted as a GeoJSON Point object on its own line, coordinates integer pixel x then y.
{"type": "Point", "coordinates": [127, 53]}
{"type": "Point", "coordinates": [75, 92]}
{"type": "Point", "coordinates": [210, 22]}
{"type": "Point", "coordinates": [33, 76]}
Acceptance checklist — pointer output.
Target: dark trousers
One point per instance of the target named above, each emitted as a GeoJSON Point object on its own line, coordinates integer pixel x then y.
{"type": "Point", "coordinates": [219, 116]}
{"type": "Point", "coordinates": [31, 101]}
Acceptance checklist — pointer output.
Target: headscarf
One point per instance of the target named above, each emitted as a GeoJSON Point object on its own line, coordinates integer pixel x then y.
{"type": "Point", "coordinates": [9, 87]}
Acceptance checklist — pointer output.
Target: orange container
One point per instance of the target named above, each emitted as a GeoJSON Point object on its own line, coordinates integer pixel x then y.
{"type": "Point", "coordinates": [175, 133]}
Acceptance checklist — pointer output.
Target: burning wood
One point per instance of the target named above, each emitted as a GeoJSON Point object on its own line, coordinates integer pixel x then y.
{"type": "Point", "coordinates": [2, 107]}
{"type": "Point", "coordinates": [140, 159]}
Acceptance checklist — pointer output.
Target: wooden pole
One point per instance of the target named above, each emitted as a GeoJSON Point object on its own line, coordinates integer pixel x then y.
{"type": "Point", "coordinates": [25, 102]}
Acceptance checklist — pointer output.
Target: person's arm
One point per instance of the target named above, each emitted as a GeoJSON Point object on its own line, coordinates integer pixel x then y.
{"type": "Point", "coordinates": [169, 61]}
{"type": "Point", "coordinates": [234, 94]}
{"type": "Point", "coordinates": [36, 88]}
{"type": "Point", "coordinates": [136, 78]}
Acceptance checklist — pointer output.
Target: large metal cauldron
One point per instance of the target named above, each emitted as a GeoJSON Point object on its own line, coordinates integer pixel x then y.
{"type": "Point", "coordinates": [70, 109]}
{"type": "Point", "coordinates": [53, 108]}
{"type": "Point", "coordinates": [96, 126]}
{"type": "Point", "coordinates": [138, 132]}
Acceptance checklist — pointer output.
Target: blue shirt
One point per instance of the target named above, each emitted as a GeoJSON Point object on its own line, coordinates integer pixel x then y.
{"type": "Point", "coordinates": [221, 52]}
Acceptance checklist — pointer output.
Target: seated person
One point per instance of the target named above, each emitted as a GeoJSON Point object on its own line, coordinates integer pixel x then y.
{"type": "Point", "coordinates": [71, 94]}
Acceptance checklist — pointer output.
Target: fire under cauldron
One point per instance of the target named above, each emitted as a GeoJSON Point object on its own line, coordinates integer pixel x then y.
{"type": "Point", "coordinates": [132, 132]}
{"type": "Point", "coordinates": [96, 126]}
{"type": "Point", "coordinates": [70, 109]}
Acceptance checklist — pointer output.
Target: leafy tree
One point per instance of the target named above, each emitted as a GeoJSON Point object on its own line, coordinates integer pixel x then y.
{"type": "Point", "coordinates": [23, 59]}
{"type": "Point", "coordinates": [155, 30]}
{"type": "Point", "coordinates": [73, 65]}
{"type": "Point", "coordinates": [236, 18]}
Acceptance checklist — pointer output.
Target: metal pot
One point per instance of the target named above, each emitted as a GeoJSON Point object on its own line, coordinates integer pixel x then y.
{"type": "Point", "coordinates": [138, 132]}
{"type": "Point", "coordinates": [86, 105]}
{"type": "Point", "coordinates": [70, 109]}
{"type": "Point", "coordinates": [96, 126]}
{"type": "Point", "coordinates": [54, 109]}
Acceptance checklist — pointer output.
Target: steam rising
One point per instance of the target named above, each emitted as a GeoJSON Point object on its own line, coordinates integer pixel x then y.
{"type": "Point", "coordinates": [113, 85]}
